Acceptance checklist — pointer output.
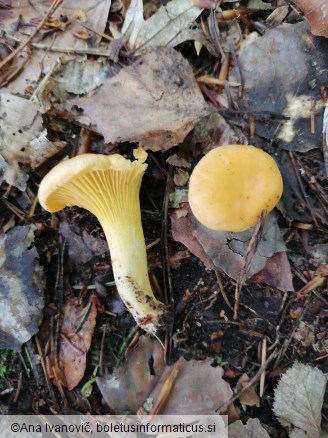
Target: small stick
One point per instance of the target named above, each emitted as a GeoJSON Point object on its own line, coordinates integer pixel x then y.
{"type": "Point", "coordinates": [102, 347]}
{"type": "Point", "coordinates": [44, 368]}
{"type": "Point", "coordinates": [103, 35]}
{"type": "Point", "coordinates": [226, 299]}
{"type": "Point", "coordinates": [245, 265]}
{"type": "Point", "coordinates": [224, 71]}
{"type": "Point", "coordinates": [165, 392]}
{"type": "Point", "coordinates": [262, 369]}
{"type": "Point", "coordinates": [312, 113]}
{"type": "Point", "coordinates": [154, 243]}
{"type": "Point", "coordinates": [251, 126]}
{"type": "Point", "coordinates": [324, 95]}
{"type": "Point", "coordinates": [19, 388]}
{"type": "Point", "coordinates": [51, 10]}
{"type": "Point", "coordinates": [263, 360]}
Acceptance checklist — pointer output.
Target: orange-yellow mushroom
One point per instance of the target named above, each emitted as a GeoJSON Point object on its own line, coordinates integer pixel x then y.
{"type": "Point", "coordinates": [232, 185]}
{"type": "Point", "coordinates": [108, 186]}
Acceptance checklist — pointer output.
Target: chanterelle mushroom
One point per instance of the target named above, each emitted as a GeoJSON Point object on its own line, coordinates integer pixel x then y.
{"type": "Point", "coordinates": [108, 186]}
{"type": "Point", "coordinates": [232, 185]}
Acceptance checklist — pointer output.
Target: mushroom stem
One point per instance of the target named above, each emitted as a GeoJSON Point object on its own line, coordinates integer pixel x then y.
{"type": "Point", "coordinates": [129, 261]}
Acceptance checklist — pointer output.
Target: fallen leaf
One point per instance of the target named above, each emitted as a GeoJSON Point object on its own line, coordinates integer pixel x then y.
{"type": "Point", "coordinates": [214, 131]}
{"type": "Point", "coordinates": [139, 383]}
{"type": "Point", "coordinates": [162, 28]}
{"type": "Point", "coordinates": [249, 397]}
{"type": "Point", "coordinates": [82, 248]}
{"type": "Point", "coordinates": [305, 334]}
{"type": "Point", "coordinates": [21, 288]}
{"type": "Point", "coordinates": [276, 273]}
{"type": "Point", "coordinates": [224, 251]}
{"type": "Point", "coordinates": [257, 4]}
{"type": "Point", "coordinates": [282, 73]}
{"type": "Point", "coordinates": [299, 398]}
{"type": "Point", "coordinates": [75, 340]}
{"type": "Point", "coordinates": [23, 141]}
{"type": "Point", "coordinates": [155, 101]}
{"type": "Point", "coordinates": [252, 429]}
{"type": "Point", "coordinates": [95, 17]}
{"type": "Point", "coordinates": [72, 76]}
{"type": "Point", "coordinates": [316, 13]}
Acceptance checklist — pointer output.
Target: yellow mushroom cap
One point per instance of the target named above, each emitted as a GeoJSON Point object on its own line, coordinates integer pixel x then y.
{"type": "Point", "coordinates": [92, 181]}
{"type": "Point", "coordinates": [232, 185]}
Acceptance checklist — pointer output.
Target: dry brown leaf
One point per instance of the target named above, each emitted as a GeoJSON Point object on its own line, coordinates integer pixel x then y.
{"type": "Point", "coordinates": [224, 251]}
{"type": "Point", "coordinates": [299, 398]}
{"type": "Point", "coordinates": [23, 140]}
{"type": "Point", "coordinates": [276, 273]}
{"type": "Point", "coordinates": [140, 381]}
{"type": "Point", "coordinates": [316, 13]}
{"type": "Point", "coordinates": [164, 28]}
{"type": "Point", "coordinates": [74, 346]}
{"type": "Point", "coordinates": [214, 131]}
{"type": "Point", "coordinates": [21, 288]}
{"type": "Point", "coordinates": [249, 397]}
{"type": "Point", "coordinates": [252, 429]}
{"type": "Point", "coordinates": [95, 13]}
{"type": "Point", "coordinates": [81, 248]}
{"type": "Point", "coordinates": [282, 73]}
{"type": "Point", "coordinates": [155, 101]}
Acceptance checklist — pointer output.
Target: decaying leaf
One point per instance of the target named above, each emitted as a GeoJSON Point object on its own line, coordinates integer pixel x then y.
{"type": "Point", "coordinates": [257, 4]}
{"type": "Point", "coordinates": [140, 381]}
{"type": "Point", "coordinates": [78, 324]}
{"type": "Point", "coordinates": [276, 273]}
{"type": "Point", "coordinates": [252, 429]}
{"type": "Point", "coordinates": [316, 13]}
{"type": "Point", "coordinates": [282, 72]}
{"type": "Point", "coordinates": [224, 251]}
{"type": "Point", "coordinates": [93, 14]}
{"type": "Point", "coordinates": [21, 288]}
{"type": "Point", "coordinates": [155, 101]}
{"type": "Point", "coordinates": [23, 141]}
{"type": "Point", "coordinates": [214, 131]}
{"type": "Point", "coordinates": [82, 247]}
{"type": "Point", "coordinates": [162, 28]}
{"type": "Point", "coordinates": [249, 397]}
{"type": "Point", "coordinates": [299, 397]}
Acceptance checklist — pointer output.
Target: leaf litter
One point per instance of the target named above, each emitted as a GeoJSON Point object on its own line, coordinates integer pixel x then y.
{"type": "Point", "coordinates": [162, 29]}
{"type": "Point", "coordinates": [140, 381]}
{"type": "Point", "coordinates": [21, 288]}
{"type": "Point", "coordinates": [224, 251]}
{"type": "Point", "coordinates": [155, 101]}
{"type": "Point", "coordinates": [159, 104]}
{"type": "Point", "coordinates": [77, 327]}
{"type": "Point", "coordinates": [299, 398]}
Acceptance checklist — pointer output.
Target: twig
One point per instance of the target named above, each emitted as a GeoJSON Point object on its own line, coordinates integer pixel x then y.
{"type": "Point", "coordinates": [19, 388]}
{"type": "Point", "coordinates": [102, 348]}
{"type": "Point", "coordinates": [218, 279]}
{"type": "Point", "coordinates": [299, 180]}
{"type": "Point", "coordinates": [262, 369]}
{"type": "Point", "coordinates": [71, 50]}
{"type": "Point", "coordinates": [291, 335]}
{"type": "Point", "coordinates": [263, 360]}
{"type": "Point", "coordinates": [246, 263]}
{"type": "Point", "coordinates": [167, 284]}
{"type": "Point", "coordinates": [43, 365]}
{"type": "Point", "coordinates": [51, 10]}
